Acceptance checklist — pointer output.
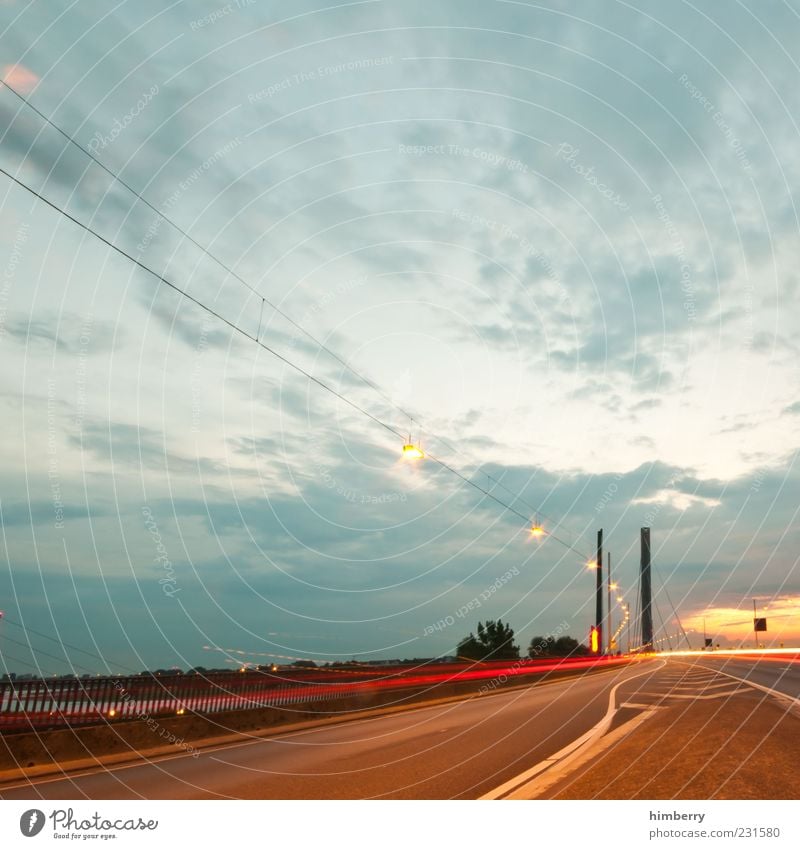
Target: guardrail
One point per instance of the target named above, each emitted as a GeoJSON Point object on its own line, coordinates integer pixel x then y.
{"type": "Point", "coordinates": [59, 702]}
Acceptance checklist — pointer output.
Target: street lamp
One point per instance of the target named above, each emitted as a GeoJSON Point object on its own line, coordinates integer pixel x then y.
{"type": "Point", "coordinates": [611, 586]}
{"type": "Point", "coordinates": [412, 452]}
{"type": "Point", "coordinates": [628, 625]}
{"type": "Point", "coordinates": [537, 530]}
{"type": "Point", "coordinates": [599, 590]}
{"type": "Point", "coordinates": [594, 640]}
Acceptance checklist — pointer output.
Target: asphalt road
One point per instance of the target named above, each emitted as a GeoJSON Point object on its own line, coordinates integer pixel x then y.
{"type": "Point", "coordinates": [774, 671]}
{"type": "Point", "coordinates": [457, 750]}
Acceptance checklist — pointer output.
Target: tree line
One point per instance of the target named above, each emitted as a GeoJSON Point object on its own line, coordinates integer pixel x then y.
{"type": "Point", "coordinates": [495, 641]}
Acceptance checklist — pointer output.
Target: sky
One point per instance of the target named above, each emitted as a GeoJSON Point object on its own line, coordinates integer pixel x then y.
{"type": "Point", "coordinates": [554, 243]}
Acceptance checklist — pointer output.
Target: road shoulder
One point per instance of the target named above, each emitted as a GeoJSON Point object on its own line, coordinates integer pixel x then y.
{"type": "Point", "coordinates": [740, 747]}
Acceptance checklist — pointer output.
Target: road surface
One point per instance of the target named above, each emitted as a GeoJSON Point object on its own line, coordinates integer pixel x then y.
{"type": "Point", "coordinates": [772, 671]}
{"type": "Point", "coordinates": [458, 750]}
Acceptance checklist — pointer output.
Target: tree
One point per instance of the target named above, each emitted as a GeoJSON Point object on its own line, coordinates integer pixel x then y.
{"type": "Point", "coordinates": [568, 646]}
{"type": "Point", "coordinates": [540, 646]}
{"type": "Point", "coordinates": [562, 647]}
{"type": "Point", "coordinates": [495, 641]}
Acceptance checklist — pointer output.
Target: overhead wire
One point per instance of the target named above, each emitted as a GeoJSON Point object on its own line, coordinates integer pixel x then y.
{"type": "Point", "coordinates": [664, 629]}
{"type": "Point", "coordinates": [233, 326]}
{"type": "Point", "coordinates": [63, 643]}
{"type": "Point", "coordinates": [675, 612]}
{"type": "Point", "coordinates": [38, 652]}
{"type": "Point", "coordinates": [264, 300]}
{"type": "Point", "coordinates": [19, 661]}
{"type": "Point", "coordinates": [164, 217]}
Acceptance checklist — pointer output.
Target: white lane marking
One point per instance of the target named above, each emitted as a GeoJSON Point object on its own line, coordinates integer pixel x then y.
{"type": "Point", "coordinates": [525, 791]}
{"type": "Point", "coordinates": [679, 675]}
{"type": "Point", "coordinates": [777, 693]}
{"type": "Point", "coordinates": [698, 698]}
{"type": "Point", "coordinates": [636, 705]}
{"type": "Point", "coordinates": [593, 733]}
{"type": "Point", "coordinates": [273, 735]}
{"type": "Point", "coordinates": [705, 686]}
{"type": "Point", "coordinates": [534, 789]}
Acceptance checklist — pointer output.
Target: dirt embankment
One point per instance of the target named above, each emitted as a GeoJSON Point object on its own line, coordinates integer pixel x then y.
{"type": "Point", "coordinates": [744, 747]}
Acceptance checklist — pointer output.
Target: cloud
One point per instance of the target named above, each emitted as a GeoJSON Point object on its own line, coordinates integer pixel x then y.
{"type": "Point", "coordinates": [34, 513]}
{"type": "Point", "coordinates": [20, 78]}
{"type": "Point", "coordinates": [732, 626]}
{"type": "Point", "coordinates": [136, 446]}
{"type": "Point", "coordinates": [612, 337]}
{"type": "Point", "coordinates": [65, 333]}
